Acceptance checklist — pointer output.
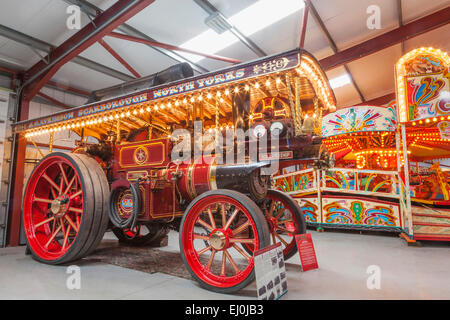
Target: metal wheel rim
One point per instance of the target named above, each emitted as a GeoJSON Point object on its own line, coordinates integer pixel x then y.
{"type": "Point", "coordinates": [206, 268]}
{"type": "Point", "coordinates": [51, 234]}
{"type": "Point", "coordinates": [278, 225]}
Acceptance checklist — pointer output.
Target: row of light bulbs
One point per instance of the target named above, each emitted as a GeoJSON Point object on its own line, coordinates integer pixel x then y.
{"type": "Point", "coordinates": [424, 134]}
{"type": "Point", "coordinates": [309, 68]}
{"type": "Point", "coordinates": [117, 115]}
{"type": "Point", "coordinates": [428, 120]}
{"type": "Point", "coordinates": [382, 152]}
{"type": "Point", "coordinates": [382, 161]}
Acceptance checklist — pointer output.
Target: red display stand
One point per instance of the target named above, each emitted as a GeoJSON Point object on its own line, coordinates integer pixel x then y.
{"type": "Point", "coordinates": [306, 250]}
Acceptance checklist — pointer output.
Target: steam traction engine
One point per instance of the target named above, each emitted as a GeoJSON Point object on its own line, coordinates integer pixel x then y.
{"type": "Point", "coordinates": [122, 175]}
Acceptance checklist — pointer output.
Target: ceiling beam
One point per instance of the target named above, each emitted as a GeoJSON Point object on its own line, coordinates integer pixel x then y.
{"type": "Point", "coordinates": [210, 9]}
{"type": "Point", "coordinates": [92, 11]}
{"type": "Point", "coordinates": [333, 46]}
{"type": "Point", "coordinates": [171, 47]}
{"type": "Point", "coordinates": [119, 58]}
{"type": "Point", "coordinates": [8, 70]}
{"type": "Point", "coordinates": [304, 24]}
{"type": "Point", "coordinates": [388, 39]}
{"type": "Point", "coordinates": [103, 24]}
{"type": "Point", "coordinates": [51, 84]}
{"type": "Point", "coordinates": [66, 88]}
{"type": "Point", "coordinates": [40, 45]}
{"type": "Point", "coordinates": [400, 20]}
{"type": "Point", "coordinates": [54, 101]}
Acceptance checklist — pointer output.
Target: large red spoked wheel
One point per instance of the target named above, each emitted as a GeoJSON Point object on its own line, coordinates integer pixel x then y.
{"type": "Point", "coordinates": [285, 219]}
{"type": "Point", "coordinates": [214, 226]}
{"type": "Point", "coordinates": [64, 208]}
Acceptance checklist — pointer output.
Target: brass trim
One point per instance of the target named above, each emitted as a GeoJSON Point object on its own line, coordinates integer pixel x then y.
{"type": "Point", "coordinates": [145, 173]}
{"type": "Point", "coordinates": [212, 176]}
{"type": "Point", "coordinates": [146, 163]}
{"type": "Point", "coordinates": [190, 184]}
{"type": "Point", "coordinates": [140, 162]}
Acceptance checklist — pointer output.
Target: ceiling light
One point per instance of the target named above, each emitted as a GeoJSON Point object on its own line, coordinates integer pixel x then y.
{"type": "Point", "coordinates": [249, 21]}
{"type": "Point", "coordinates": [264, 13]}
{"type": "Point", "coordinates": [218, 23]}
{"type": "Point", "coordinates": [340, 81]}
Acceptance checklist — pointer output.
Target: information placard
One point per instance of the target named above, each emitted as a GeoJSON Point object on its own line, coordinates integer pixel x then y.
{"type": "Point", "coordinates": [271, 279]}
{"type": "Point", "coordinates": [306, 250]}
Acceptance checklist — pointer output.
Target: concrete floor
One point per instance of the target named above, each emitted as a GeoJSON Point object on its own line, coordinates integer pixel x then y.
{"type": "Point", "coordinates": [406, 273]}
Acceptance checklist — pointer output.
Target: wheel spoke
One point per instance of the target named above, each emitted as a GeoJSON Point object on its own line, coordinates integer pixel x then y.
{"type": "Point", "coordinates": [61, 184]}
{"type": "Point", "coordinates": [66, 237]}
{"type": "Point", "coordinates": [233, 264]}
{"type": "Point", "coordinates": [281, 239]}
{"type": "Point", "coordinates": [42, 200]}
{"type": "Point", "coordinates": [63, 173]}
{"type": "Point", "coordinates": [46, 177]}
{"type": "Point", "coordinates": [200, 236]}
{"type": "Point", "coordinates": [63, 228]}
{"type": "Point", "coordinates": [204, 224]}
{"type": "Point", "coordinates": [211, 259]}
{"type": "Point", "coordinates": [281, 215]}
{"type": "Point", "coordinates": [69, 185]}
{"type": "Point", "coordinates": [283, 229]}
{"type": "Point", "coordinates": [60, 220]}
{"type": "Point", "coordinates": [71, 223]}
{"type": "Point", "coordinates": [224, 263]}
{"type": "Point", "coordinates": [53, 193]}
{"type": "Point", "coordinates": [44, 222]}
{"type": "Point", "coordinates": [76, 210]}
{"type": "Point", "coordinates": [246, 256]}
{"type": "Point", "coordinates": [241, 228]}
{"type": "Point", "coordinates": [242, 240]}
{"type": "Point", "coordinates": [204, 250]}
{"type": "Point", "coordinates": [53, 236]}
{"type": "Point", "coordinates": [231, 219]}
{"type": "Point", "coordinates": [76, 194]}
{"type": "Point", "coordinates": [223, 213]}
{"type": "Point", "coordinates": [285, 221]}
{"type": "Point", "coordinates": [211, 218]}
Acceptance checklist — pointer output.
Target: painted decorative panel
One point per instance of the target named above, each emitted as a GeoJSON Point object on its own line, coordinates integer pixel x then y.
{"type": "Point", "coordinates": [428, 96]}
{"type": "Point", "coordinates": [358, 119]}
{"type": "Point", "coordinates": [423, 84]}
{"type": "Point", "coordinates": [360, 212]}
{"type": "Point", "coordinates": [310, 209]}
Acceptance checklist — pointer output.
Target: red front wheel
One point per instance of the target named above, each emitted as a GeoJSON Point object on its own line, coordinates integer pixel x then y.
{"type": "Point", "coordinates": [212, 231]}
{"type": "Point", "coordinates": [63, 208]}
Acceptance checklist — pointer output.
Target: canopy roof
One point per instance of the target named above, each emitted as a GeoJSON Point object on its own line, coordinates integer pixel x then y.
{"type": "Point", "coordinates": [177, 102]}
